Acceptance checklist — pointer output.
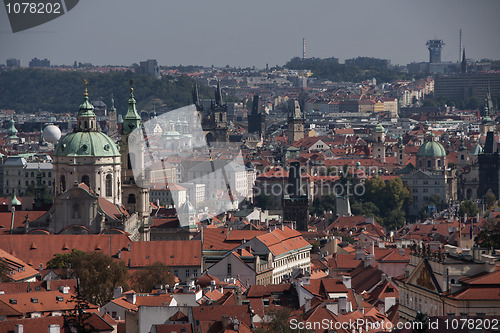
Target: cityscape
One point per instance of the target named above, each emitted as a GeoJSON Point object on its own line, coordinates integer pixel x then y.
{"type": "Point", "coordinates": [317, 195]}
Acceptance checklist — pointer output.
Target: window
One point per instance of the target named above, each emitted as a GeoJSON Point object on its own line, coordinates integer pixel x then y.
{"type": "Point", "coordinates": [109, 185]}
{"type": "Point", "coordinates": [229, 269]}
{"type": "Point", "coordinates": [425, 182]}
{"type": "Point", "coordinates": [131, 199]}
{"type": "Point", "coordinates": [50, 174]}
{"type": "Point", "coordinates": [188, 273]}
{"type": "Point", "coordinates": [86, 180]}
{"type": "Point", "coordinates": [113, 314]}
{"type": "Point", "coordinates": [26, 175]}
{"type": "Point", "coordinates": [63, 183]}
{"type": "Point", "coordinates": [428, 163]}
{"type": "Point", "coordinates": [425, 190]}
{"type": "Point", "coordinates": [32, 175]}
{"type": "Point", "coordinates": [195, 273]}
{"type": "Point", "coordinates": [176, 272]}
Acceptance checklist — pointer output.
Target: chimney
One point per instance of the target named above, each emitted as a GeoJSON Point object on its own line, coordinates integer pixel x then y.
{"type": "Point", "coordinates": [307, 304]}
{"type": "Point", "coordinates": [131, 298]}
{"type": "Point", "coordinates": [119, 254]}
{"type": "Point", "coordinates": [19, 328]}
{"type": "Point", "coordinates": [54, 329]}
{"type": "Point", "coordinates": [346, 280]}
{"type": "Point", "coordinates": [65, 290]}
{"type": "Point", "coordinates": [117, 292]}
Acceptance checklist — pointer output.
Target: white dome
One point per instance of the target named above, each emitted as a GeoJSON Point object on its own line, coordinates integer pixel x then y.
{"type": "Point", "coordinates": [51, 133]}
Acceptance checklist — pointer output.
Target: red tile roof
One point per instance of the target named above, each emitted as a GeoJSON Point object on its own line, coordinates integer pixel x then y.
{"type": "Point", "coordinates": [171, 253]}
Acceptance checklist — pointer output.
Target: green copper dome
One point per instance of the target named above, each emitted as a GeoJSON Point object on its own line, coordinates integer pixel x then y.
{"type": "Point", "coordinates": [379, 128]}
{"type": "Point", "coordinates": [87, 144]}
{"type": "Point", "coordinates": [431, 149]}
{"type": "Point", "coordinates": [86, 140]}
{"type": "Point", "coordinates": [12, 131]}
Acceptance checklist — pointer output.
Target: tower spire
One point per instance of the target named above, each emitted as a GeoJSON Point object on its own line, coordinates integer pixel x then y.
{"type": "Point", "coordinates": [218, 95]}
{"type": "Point", "coordinates": [132, 120]}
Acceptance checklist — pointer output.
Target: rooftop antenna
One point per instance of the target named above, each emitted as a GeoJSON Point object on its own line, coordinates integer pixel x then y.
{"type": "Point", "coordinates": [303, 48]}
{"type": "Point", "coordinates": [460, 47]}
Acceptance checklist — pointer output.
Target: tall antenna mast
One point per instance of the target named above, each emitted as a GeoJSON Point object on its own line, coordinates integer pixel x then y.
{"type": "Point", "coordinates": [460, 48]}
{"type": "Point", "coordinates": [303, 48]}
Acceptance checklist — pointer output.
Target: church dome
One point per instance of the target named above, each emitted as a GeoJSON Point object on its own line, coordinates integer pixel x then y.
{"type": "Point", "coordinates": [431, 149]}
{"type": "Point", "coordinates": [87, 144]}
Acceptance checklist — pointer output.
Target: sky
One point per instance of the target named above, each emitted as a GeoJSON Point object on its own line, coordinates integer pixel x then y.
{"type": "Point", "coordinates": [255, 33]}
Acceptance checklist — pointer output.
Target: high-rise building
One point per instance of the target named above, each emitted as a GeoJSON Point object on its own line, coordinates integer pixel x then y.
{"type": "Point", "coordinates": [463, 86]}
{"type": "Point", "coordinates": [434, 46]}
{"type": "Point", "coordinates": [35, 62]}
{"type": "Point", "coordinates": [150, 67]}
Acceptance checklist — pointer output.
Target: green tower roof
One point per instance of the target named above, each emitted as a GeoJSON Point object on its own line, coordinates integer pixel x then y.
{"type": "Point", "coordinates": [12, 131]}
{"type": "Point", "coordinates": [379, 128]}
{"type": "Point", "coordinates": [431, 149]}
{"type": "Point", "coordinates": [132, 120]}
{"type": "Point", "coordinates": [86, 108]}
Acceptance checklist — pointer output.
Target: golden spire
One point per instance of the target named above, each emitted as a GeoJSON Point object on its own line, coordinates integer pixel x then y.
{"type": "Point", "coordinates": [85, 82]}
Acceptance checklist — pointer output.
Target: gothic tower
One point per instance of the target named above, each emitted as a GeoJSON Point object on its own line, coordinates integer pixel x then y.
{"type": "Point", "coordinates": [214, 122]}
{"type": "Point", "coordinates": [296, 200]}
{"type": "Point", "coordinates": [135, 194]}
{"type": "Point", "coordinates": [296, 122]}
{"type": "Point", "coordinates": [379, 143]}
{"type": "Point", "coordinates": [256, 119]}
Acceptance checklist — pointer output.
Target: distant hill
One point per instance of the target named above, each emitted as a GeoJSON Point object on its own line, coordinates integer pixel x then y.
{"type": "Point", "coordinates": [31, 90]}
{"type": "Point", "coordinates": [330, 69]}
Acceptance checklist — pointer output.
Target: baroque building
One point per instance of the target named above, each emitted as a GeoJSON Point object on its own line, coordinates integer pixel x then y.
{"type": "Point", "coordinates": [93, 192]}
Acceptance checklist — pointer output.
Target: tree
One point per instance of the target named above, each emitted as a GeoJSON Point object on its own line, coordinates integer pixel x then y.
{"type": "Point", "coordinates": [489, 237]}
{"type": "Point", "coordinates": [490, 199]}
{"type": "Point", "coordinates": [264, 201]}
{"type": "Point", "coordinates": [99, 274]}
{"type": "Point", "coordinates": [468, 207]}
{"type": "Point", "coordinates": [146, 280]}
{"type": "Point", "coordinates": [279, 322]}
{"type": "Point", "coordinates": [63, 260]}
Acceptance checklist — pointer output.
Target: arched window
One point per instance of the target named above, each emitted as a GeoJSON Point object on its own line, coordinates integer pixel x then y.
{"type": "Point", "coordinates": [50, 174]}
{"type": "Point", "coordinates": [86, 124]}
{"type": "Point", "coordinates": [109, 185]}
{"type": "Point", "coordinates": [439, 163]}
{"type": "Point", "coordinates": [63, 183]}
{"type": "Point", "coordinates": [462, 157]}
{"type": "Point", "coordinates": [86, 180]}
{"type": "Point", "coordinates": [26, 174]}
{"type": "Point", "coordinates": [43, 174]}
{"type": "Point", "coordinates": [32, 175]}
{"type": "Point", "coordinates": [131, 199]}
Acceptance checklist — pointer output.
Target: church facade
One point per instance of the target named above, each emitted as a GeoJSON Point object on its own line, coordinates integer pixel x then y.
{"type": "Point", "coordinates": [94, 186]}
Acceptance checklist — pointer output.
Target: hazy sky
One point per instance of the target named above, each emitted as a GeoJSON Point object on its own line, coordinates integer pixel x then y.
{"type": "Point", "coordinates": [253, 33]}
